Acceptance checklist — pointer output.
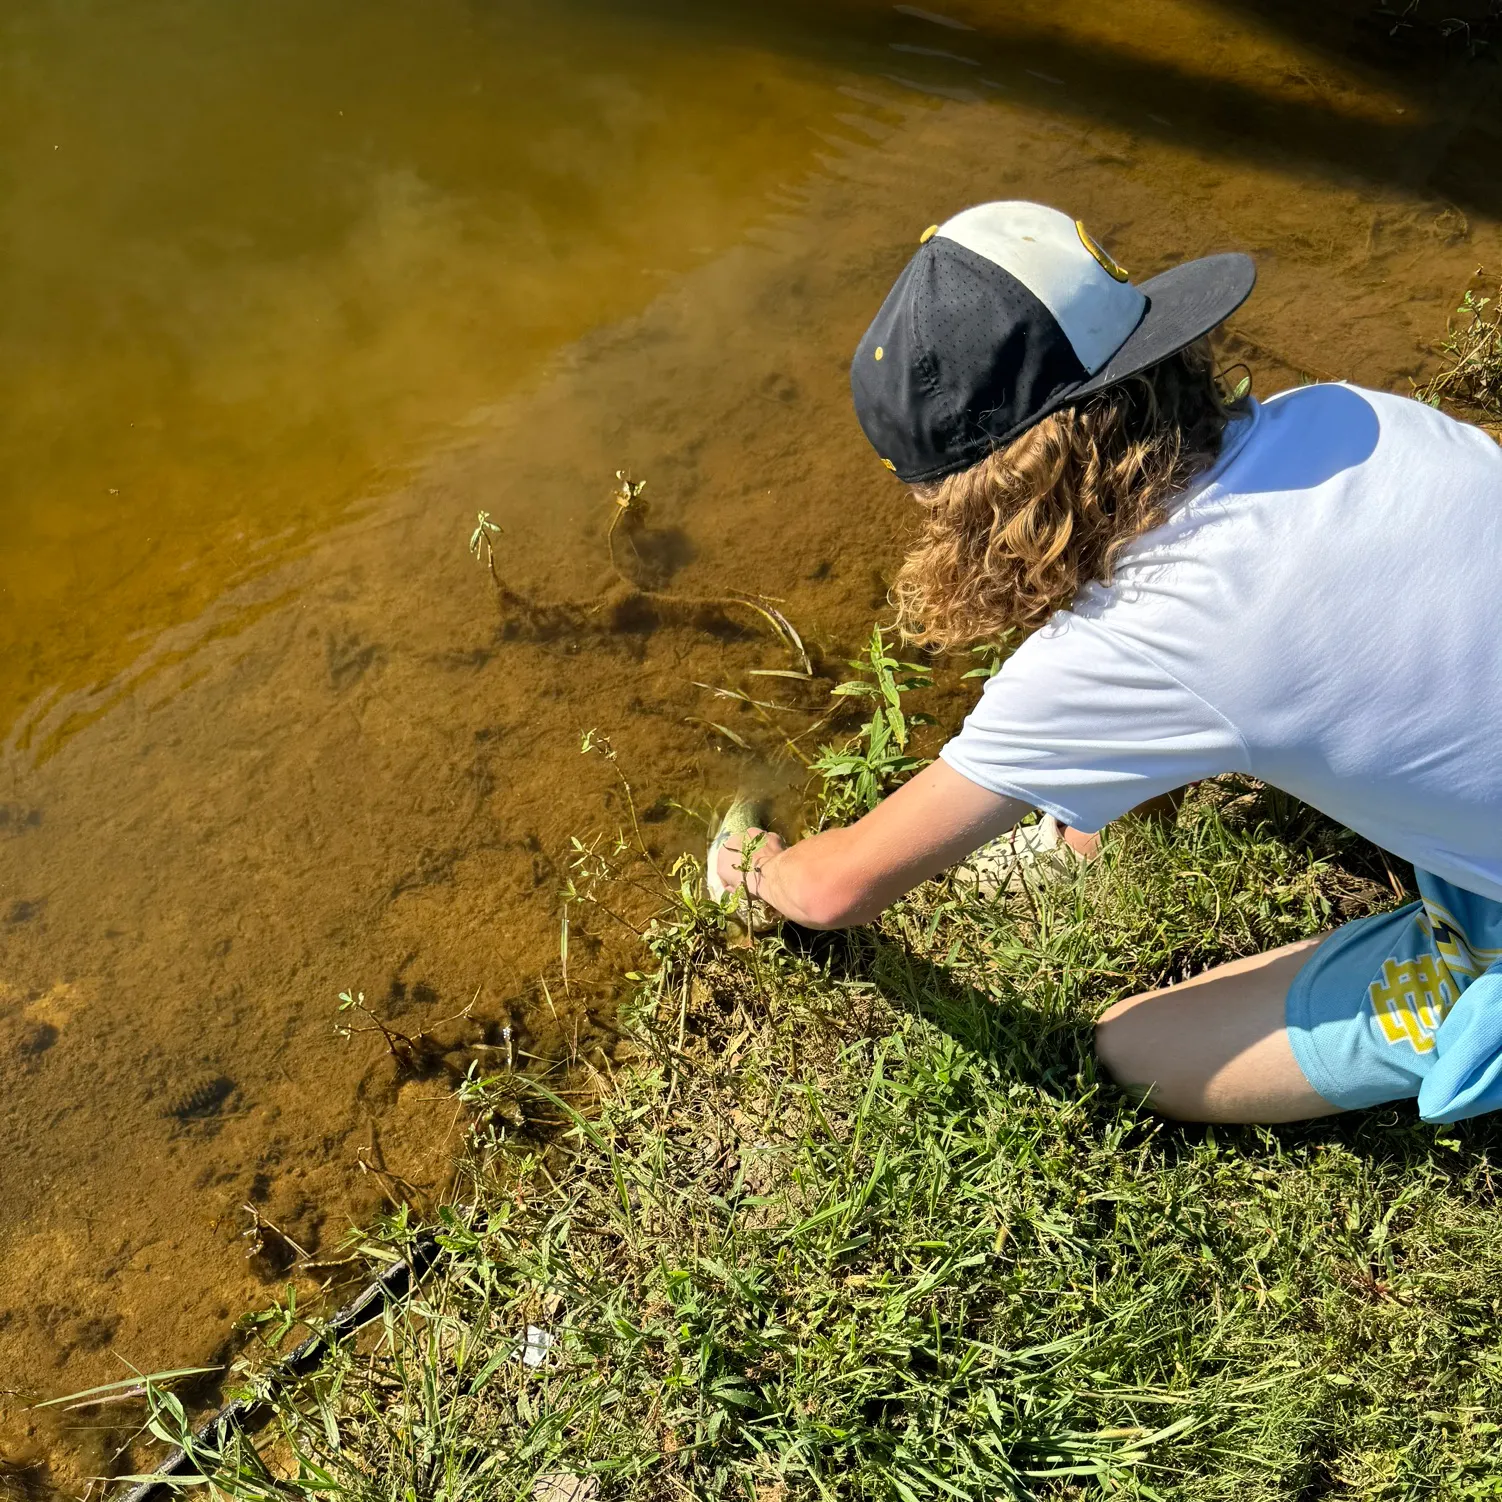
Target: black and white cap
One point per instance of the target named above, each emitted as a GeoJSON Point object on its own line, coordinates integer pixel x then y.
{"type": "Point", "coordinates": [1010, 311]}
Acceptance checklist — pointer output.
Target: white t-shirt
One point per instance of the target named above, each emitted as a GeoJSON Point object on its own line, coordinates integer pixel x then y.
{"type": "Point", "coordinates": [1322, 610]}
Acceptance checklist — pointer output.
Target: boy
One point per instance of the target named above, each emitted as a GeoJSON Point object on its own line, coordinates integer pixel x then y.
{"type": "Point", "coordinates": [1305, 590]}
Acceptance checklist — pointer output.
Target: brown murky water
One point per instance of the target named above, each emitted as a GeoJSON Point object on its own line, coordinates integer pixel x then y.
{"type": "Point", "coordinates": [290, 293]}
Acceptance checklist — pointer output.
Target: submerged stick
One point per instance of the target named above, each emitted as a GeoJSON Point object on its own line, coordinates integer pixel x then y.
{"type": "Point", "coordinates": [245, 1416]}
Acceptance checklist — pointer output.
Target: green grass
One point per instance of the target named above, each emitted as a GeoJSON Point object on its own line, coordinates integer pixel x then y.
{"type": "Point", "coordinates": [861, 1220]}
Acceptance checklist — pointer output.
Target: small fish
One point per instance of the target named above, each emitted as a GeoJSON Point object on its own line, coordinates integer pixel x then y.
{"type": "Point", "coordinates": [744, 813]}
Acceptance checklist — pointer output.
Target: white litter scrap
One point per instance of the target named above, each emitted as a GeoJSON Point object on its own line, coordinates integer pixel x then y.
{"type": "Point", "coordinates": [539, 1342]}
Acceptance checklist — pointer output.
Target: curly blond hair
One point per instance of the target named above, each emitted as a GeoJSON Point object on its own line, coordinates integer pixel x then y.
{"type": "Point", "coordinates": [1010, 540]}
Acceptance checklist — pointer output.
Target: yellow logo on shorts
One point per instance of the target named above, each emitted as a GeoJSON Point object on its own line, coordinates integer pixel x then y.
{"type": "Point", "coordinates": [1411, 998]}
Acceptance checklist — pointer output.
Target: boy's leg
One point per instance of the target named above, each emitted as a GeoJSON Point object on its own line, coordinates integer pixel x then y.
{"type": "Point", "coordinates": [1215, 1048]}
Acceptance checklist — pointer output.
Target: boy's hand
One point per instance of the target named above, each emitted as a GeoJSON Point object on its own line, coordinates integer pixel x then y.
{"type": "Point", "coordinates": [847, 876]}
{"type": "Point", "coordinates": [731, 861]}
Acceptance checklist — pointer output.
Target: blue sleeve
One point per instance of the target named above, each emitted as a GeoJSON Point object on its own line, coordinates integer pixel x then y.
{"type": "Point", "coordinates": [1466, 1079]}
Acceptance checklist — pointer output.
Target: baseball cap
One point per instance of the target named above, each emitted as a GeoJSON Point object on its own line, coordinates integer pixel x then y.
{"type": "Point", "coordinates": [1008, 312]}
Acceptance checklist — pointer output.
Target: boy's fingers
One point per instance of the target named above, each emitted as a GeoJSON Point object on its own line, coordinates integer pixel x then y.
{"type": "Point", "coordinates": [740, 851]}
{"type": "Point", "coordinates": [731, 858]}
{"type": "Point", "coordinates": [753, 837]}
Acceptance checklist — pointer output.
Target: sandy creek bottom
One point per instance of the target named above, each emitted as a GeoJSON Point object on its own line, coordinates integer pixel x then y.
{"type": "Point", "coordinates": [350, 774]}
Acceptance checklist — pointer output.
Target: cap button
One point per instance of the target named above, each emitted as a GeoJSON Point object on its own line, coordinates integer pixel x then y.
{"type": "Point", "coordinates": [928, 234]}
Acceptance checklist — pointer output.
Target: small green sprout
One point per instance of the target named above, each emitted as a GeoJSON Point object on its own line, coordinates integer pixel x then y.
{"type": "Point", "coordinates": [480, 540]}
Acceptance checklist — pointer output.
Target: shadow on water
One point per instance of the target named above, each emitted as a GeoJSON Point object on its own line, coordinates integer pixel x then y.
{"type": "Point", "coordinates": [1441, 134]}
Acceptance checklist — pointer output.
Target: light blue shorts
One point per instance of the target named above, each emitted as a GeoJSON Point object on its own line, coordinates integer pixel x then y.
{"type": "Point", "coordinates": [1406, 1004]}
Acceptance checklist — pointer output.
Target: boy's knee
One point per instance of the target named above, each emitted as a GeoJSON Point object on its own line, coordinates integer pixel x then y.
{"type": "Point", "coordinates": [1120, 1046]}
{"type": "Point", "coordinates": [1129, 1046]}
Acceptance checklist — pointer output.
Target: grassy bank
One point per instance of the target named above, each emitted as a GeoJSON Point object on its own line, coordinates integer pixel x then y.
{"type": "Point", "coordinates": [860, 1220]}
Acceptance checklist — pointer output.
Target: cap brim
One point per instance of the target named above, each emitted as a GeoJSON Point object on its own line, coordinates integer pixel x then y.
{"type": "Point", "coordinates": [1183, 304]}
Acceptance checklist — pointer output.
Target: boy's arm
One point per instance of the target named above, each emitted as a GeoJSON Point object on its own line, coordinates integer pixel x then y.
{"type": "Point", "coordinates": [847, 876]}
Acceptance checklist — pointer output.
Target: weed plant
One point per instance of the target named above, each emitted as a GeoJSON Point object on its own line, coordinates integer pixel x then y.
{"type": "Point", "coordinates": [858, 775]}
{"type": "Point", "coordinates": [1472, 375]}
{"type": "Point", "coordinates": [860, 1220]}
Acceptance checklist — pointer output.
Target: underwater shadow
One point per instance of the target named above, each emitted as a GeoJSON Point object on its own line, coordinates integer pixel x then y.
{"type": "Point", "coordinates": [1437, 142]}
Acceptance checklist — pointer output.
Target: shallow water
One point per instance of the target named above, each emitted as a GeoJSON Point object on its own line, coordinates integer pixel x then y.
{"type": "Point", "coordinates": [292, 292]}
